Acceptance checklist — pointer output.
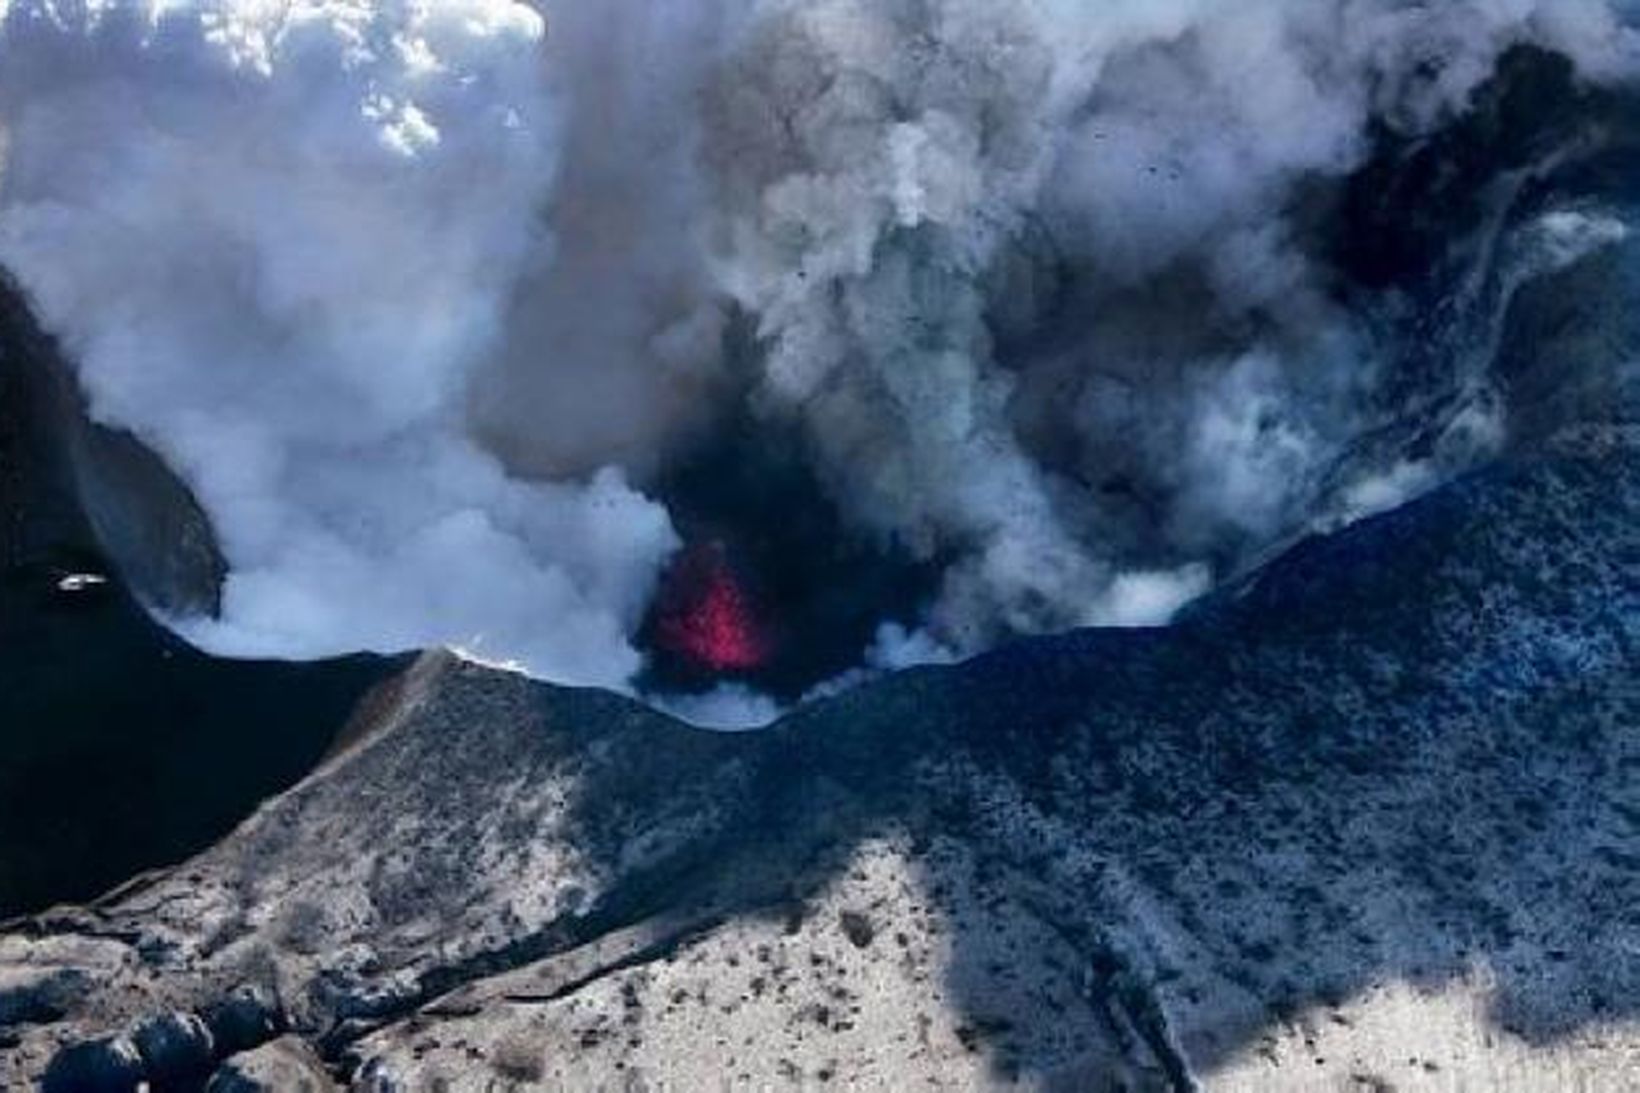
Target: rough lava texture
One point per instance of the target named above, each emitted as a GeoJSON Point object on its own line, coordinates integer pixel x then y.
{"type": "Point", "coordinates": [1365, 820]}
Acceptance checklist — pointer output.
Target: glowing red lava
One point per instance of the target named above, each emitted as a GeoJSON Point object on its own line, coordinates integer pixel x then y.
{"type": "Point", "coordinates": [707, 617]}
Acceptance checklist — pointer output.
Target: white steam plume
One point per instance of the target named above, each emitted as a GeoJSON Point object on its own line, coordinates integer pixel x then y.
{"type": "Point", "coordinates": [1025, 274]}
{"type": "Point", "coordinates": [277, 239]}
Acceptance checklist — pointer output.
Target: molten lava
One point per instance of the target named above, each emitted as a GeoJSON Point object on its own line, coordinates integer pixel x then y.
{"type": "Point", "coordinates": [707, 617]}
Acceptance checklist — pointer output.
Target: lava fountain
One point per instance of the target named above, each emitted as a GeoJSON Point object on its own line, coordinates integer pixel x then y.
{"type": "Point", "coordinates": [707, 618]}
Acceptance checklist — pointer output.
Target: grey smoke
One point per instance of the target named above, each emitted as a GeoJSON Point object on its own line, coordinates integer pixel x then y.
{"type": "Point", "coordinates": [418, 298]}
{"type": "Point", "coordinates": [896, 176]}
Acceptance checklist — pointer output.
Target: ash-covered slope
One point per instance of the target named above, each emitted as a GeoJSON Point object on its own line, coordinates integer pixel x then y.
{"type": "Point", "coordinates": [1368, 820]}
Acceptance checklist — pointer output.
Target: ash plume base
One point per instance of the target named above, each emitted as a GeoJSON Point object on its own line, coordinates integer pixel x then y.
{"type": "Point", "coordinates": [726, 351]}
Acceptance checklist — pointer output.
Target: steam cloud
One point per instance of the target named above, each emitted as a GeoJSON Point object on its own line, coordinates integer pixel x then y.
{"type": "Point", "coordinates": [417, 297]}
{"type": "Point", "coordinates": [278, 241]}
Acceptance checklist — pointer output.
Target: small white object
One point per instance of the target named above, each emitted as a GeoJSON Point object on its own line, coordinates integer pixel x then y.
{"type": "Point", "coordinates": [81, 582]}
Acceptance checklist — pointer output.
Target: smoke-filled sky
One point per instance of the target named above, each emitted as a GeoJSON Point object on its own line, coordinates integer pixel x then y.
{"type": "Point", "coordinates": [422, 300]}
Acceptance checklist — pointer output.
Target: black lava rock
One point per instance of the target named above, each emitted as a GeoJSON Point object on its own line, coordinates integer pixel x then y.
{"type": "Point", "coordinates": [110, 1065]}
{"type": "Point", "coordinates": [247, 1018]}
{"type": "Point", "coordinates": [177, 1049]}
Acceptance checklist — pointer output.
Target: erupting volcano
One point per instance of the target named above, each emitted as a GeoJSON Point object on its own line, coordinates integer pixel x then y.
{"type": "Point", "coordinates": [707, 618]}
{"type": "Point", "coordinates": [951, 323]}
{"type": "Point", "coordinates": [772, 590]}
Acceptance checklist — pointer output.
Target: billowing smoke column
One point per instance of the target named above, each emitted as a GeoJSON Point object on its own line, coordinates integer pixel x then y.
{"type": "Point", "coordinates": [904, 183]}
{"type": "Point", "coordinates": [427, 304]}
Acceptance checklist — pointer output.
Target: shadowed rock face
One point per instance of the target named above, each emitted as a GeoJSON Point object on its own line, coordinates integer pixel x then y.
{"type": "Point", "coordinates": [1366, 820]}
{"type": "Point", "coordinates": [120, 746]}
{"type": "Point", "coordinates": [75, 482]}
